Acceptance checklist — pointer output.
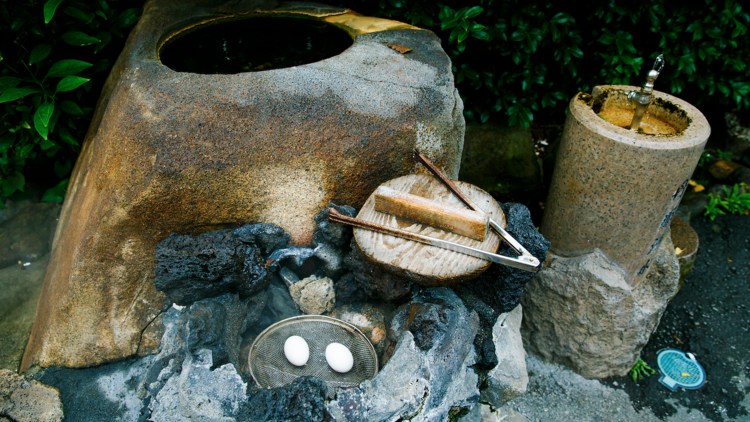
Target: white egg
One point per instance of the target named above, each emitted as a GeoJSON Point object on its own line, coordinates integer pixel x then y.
{"type": "Point", "coordinates": [296, 350]}
{"type": "Point", "coordinates": [339, 358]}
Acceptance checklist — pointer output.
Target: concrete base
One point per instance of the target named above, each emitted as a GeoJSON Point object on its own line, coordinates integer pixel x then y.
{"type": "Point", "coordinates": [581, 312]}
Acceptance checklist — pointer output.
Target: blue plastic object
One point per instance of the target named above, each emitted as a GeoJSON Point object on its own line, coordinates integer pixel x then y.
{"type": "Point", "coordinates": [679, 370]}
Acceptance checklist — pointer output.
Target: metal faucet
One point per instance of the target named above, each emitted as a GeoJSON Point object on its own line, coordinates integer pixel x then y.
{"type": "Point", "coordinates": [643, 98]}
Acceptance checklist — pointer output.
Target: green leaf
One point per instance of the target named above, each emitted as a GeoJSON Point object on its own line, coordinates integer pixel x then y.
{"type": "Point", "coordinates": [56, 194]}
{"type": "Point", "coordinates": [7, 82]}
{"type": "Point", "coordinates": [70, 83]}
{"type": "Point", "coordinates": [46, 144]}
{"type": "Point", "coordinates": [127, 18]}
{"type": "Point", "coordinates": [13, 94]}
{"type": "Point", "coordinates": [473, 12]}
{"type": "Point", "coordinates": [39, 53]}
{"type": "Point", "coordinates": [49, 9]}
{"type": "Point", "coordinates": [12, 183]}
{"type": "Point", "coordinates": [67, 67]}
{"type": "Point", "coordinates": [62, 168]}
{"type": "Point", "coordinates": [79, 38]}
{"type": "Point", "coordinates": [79, 14]}
{"type": "Point", "coordinates": [41, 119]}
{"type": "Point", "coordinates": [71, 108]}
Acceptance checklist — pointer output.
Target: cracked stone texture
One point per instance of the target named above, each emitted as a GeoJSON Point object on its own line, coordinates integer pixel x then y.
{"type": "Point", "coordinates": [23, 400]}
{"type": "Point", "coordinates": [200, 393]}
{"type": "Point", "coordinates": [499, 289]}
{"type": "Point", "coordinates": [190, 268]}
{"type": "Point", "coordinates": [268, 237]}
{"type": "Point", "coordinates": [509, 378]}
{"type": "Point", "coordinates": [582, 312]}
{"type": "Point", "coordinates": [123, 391]}
{"type": "Point", "coordinates": [314, 295]}
{"type": "Point", "coordinates": [170, 152]}
{"type": "Point", "coordinates": [429, 372]}
{"type": "Point", "coordinates": [301, 401]}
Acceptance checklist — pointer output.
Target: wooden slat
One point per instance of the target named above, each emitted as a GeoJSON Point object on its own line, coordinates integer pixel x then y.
{"type": "Point", "coordinates": [432, 213]}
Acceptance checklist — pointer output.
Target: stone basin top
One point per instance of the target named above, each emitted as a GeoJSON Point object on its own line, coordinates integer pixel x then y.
{"type": "Point", "coordinates": [179, 152]}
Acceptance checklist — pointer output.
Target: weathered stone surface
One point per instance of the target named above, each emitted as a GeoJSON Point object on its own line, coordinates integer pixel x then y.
{"type": "Point", "coordinates": [501, 286]}
{"type": "Point", "coordinates": [190, 268]}
{"type": "Point", "coordinates": [484, 413]}
{"type": "Point", "coordinates": [200, 393]}
{"type": "Point", "coordinates": [19, 293]}
{"type": "Point", "coordinates": [373, 281]}
{"type": "Point", "coordinates": [348, 290]}
{"type": "Point", "coordinates": [268, 237]}
{"type": "Point", "coordinates": [25, 400]}
{"type": "Point", "coordinates": [609, 199]}
{"type": "Point", "coordinates": [333, 259]}
{"type": "Point", "coordinates": [207, 331]}
{"type": "Point", "coordinates": [500, 159]}
{"type": "Point", "coordinates": [369, 319]}
{"type": "Point", "coordinates": [171, 152]}
{"type": "Point", "coordinates": [430, 364]}
{"type": "Point", "coordinates": [509, 378]}
{"type": "Point", "coordinates": [303, 400]}
{"type": "Point", "coordinates": [27, 235]}
{"type": "Point", "coordinates": [581, 312]}
{"type": "Point", "coordinates": [314, 295]}
{"type": "Point", "coordinates": [335, 234]}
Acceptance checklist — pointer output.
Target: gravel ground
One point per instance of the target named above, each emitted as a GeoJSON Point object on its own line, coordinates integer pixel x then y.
{"type": "Point", "coordinates": [709, 317]}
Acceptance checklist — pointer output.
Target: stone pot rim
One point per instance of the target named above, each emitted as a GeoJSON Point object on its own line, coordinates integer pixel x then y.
{"type": "Point", "coordinates": [351, 22]}
{"type": "Point", "coordinates": [694, 134]}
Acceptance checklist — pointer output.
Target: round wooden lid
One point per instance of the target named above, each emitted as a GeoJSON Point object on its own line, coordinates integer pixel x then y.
{"type": "Point", "coordinates": [420, 263]}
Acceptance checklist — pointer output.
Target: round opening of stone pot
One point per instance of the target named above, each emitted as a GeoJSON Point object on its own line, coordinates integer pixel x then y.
{"type": "Point", "coordinates": [661, 118]}
{"type": "Point", "coordinates": [253, 44]}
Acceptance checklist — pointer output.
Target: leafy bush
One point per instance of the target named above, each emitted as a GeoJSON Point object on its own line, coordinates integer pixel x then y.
{"type": "Point", "coordinates": [520, 57]}
{"type": "Point", "coordinates": [734, 201]}
{"type": "Point", "coordinates": [51, 55]}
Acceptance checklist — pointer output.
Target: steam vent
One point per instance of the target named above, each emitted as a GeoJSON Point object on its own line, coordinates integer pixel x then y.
{"type": "Point", "coordinates": [217, 114]}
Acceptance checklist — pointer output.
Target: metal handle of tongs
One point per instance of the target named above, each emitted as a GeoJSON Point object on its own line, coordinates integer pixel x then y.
{"type": "Point", "coordinates": [513, 243]}
{"type": "Point", "coordinates": [523, 262]}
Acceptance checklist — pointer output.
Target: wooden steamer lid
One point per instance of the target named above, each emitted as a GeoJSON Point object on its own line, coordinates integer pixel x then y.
{"type": "Point", "coordinates": [423, 264]}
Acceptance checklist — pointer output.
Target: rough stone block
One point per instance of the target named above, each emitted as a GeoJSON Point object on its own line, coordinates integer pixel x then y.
{"type": "Point", "coordinates": [582, 312]}
{"type": "Point", "coordinates": [25, 400]}
{"type": "Point", "coordinates": [314, 295]}
{"type": "Point", "coordinates": [509, 378]}
{"type": "Point", "coordinates": [178, 152]}
{"type": "Point", "coordinates": [190, 268]}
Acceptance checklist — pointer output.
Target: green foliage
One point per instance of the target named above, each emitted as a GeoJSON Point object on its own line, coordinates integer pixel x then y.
{"type": "Point", "coordinates": [641, 369]}
{"type": "Point", "coordinates": [707, 155]}
{"type": "Point", "coordinates": [520, 57]}
{"type": "Point", "coordinates": [734, 201]}
{"type": "Point", "coordinates": [52, 53]}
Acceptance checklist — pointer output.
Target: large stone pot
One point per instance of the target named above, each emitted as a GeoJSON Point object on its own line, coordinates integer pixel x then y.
{"type": "Point", "coordinates": [184, 152]}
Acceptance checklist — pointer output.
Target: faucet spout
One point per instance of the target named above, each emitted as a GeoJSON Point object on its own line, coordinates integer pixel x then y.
{"type": "Point", "coordinates": [643, 98]}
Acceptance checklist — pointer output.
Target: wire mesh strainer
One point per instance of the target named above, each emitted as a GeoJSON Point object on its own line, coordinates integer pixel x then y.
{"type": "Point", "coordinates": [270, 368]}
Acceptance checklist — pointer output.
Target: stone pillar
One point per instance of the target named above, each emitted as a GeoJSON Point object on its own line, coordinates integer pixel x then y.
{"type": "Point", "coordinates": [617, 190]}
{"type": "Point", "coordinates": [612, 267]}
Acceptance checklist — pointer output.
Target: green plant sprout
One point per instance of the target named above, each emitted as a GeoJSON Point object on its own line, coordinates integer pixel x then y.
{"type": "Point", "coordinates": [734, 202]}
{"type": "Point", "coordinates": [641, 369]}
{"type": "Point", "coordinates": [707, 155]}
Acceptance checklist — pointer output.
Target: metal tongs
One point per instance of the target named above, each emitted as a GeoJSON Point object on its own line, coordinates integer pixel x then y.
{"type": "Point", "coordinates": [524, 261]}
